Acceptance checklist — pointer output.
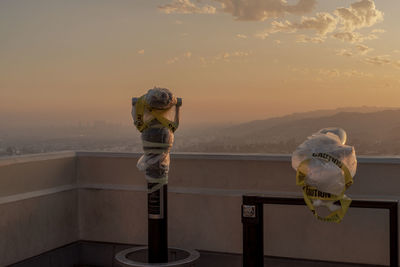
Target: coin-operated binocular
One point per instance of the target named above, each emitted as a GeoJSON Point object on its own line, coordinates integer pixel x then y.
{"type": "Point", "coordinates": [325, 169]}
{"type": "Point", "coordinates": [156, 116]}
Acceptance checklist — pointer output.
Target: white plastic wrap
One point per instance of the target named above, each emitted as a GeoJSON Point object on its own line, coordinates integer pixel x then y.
{"type": "Point", "coordinates": [325, 175]}
{"type": "Point", "coordinates": [157, 137]}
{"type": "Point", "coordinates": [161, 160]}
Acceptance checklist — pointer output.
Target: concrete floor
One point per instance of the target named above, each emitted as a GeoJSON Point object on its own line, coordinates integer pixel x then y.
{"type": "Point", "coordinates": [95, 254]}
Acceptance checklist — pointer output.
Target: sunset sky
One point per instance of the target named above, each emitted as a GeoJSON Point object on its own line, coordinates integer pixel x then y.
{"type": "Point", "coordinates": [230, 60]}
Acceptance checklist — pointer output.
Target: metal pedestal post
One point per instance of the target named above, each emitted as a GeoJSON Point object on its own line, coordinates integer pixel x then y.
{"type": "Point", "coordinates": [158, 225]}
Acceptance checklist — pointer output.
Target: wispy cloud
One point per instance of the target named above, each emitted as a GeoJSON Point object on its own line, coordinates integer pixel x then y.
{"type": "Point", "coordinates": [186, 7]}
{"type": "Point", "coordinates": [322, 23]}
{"type": "Point", "coordinates": [260, 10]}
{"type": "Point", "coordinates": [379, 60]}
{"type": "Point", "coordinates": [185, 56]}
{"type": "Point", "coordinates": [356, 73]}
{"type": "Point", "coordinates": [363, 49]}
{"type": "Point", "coordinates": [354, 37]}
{"type": "Point", "coordinates": [307, 39]}
{"type": "Point", "coordinates": [262, 35]}
{"type": "Point", "coordinates": [382, 60]}
{"type": "Point", "coordinates": [243, 10]}
{"type": "Point", "coordinates": [241, 36]}
{"type": "Point", "coordinates": [172, 60]}
{"type": "Point", "coordinates": [332, 73]}
{"type": "Point", "coordinates": [224, 57]}
{"type": "Point", "coordinates": [359, 49]}
{"type": "Point", "coordinates": [378, 31]}
{"type": "Point", "coordinates": [329, 72]}
{"type": "Point", "coordinates": [345, 53]}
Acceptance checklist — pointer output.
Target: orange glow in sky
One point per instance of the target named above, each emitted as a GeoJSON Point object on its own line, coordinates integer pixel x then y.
{"type": "Point", "coordinates": [230, 61]}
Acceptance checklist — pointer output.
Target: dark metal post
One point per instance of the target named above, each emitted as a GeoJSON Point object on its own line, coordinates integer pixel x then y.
{"type": "Point", "coordinates": [157, 200]}
{"type": "Point", "coordinates": [394, 247]}
{"type": "Point", "coordinates": [158, 225]}
{"type": "Point", "coordinates": [253, 233]}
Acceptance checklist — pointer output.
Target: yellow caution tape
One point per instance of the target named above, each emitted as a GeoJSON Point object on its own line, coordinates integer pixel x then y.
{"type": "Point", "coordinates": [141, 125]}
{"type": "Point", "coordinates": [312, 193]}
{"type": "Point", "coordinates": [159, 183]}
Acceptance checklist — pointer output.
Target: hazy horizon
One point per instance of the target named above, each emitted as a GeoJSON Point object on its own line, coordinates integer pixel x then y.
{"type": "Point", "coordinates": [38, 120]}
{"type": "Point", "coordinates": [231, 61]}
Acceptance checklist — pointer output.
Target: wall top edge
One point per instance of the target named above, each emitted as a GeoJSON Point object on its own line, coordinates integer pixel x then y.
{"type": "Point", "coordinates": [4, 161]}
{"type": "Point", "coordinates": [232, 156]}
{"type": "Point", "coordinates": [179, 155]}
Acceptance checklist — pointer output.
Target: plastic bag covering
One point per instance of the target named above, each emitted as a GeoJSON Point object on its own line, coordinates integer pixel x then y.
{"type": "Point", "coordinates": [157, 139]}
{"type": "Point", "coordinates": [325, 167]}
{"type": "Point", "coordinates": [158, 105]}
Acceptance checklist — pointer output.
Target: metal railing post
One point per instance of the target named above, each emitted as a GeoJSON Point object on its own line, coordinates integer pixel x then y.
{"type": "Point", "coordinates": [394, 245]}
{"type": "Point", "coordinates": [253, 233]}
{"type": "Point", "coordinates": [252, 219]}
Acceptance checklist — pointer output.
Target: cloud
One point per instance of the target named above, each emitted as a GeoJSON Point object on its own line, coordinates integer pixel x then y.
{"type": "Point", "coordinates": [241, 36]}
{"type": "Point", "coordinates": [382, 60]}
{"type": "Point", "coordinates": [186, 7]}
{"type": "Point", "coordinates": [378, 31]}
{"type": "Point", "coordinates": [260, 10]}
{"type": "Point", "coordinates": [140, 52]}
{"type": "Point", "coordinates": [356, 73]}
{"type": "Point", "coordinates": [262, 35]}
{"type": "Point", "coordinates": [359, 15]}
{"type": "Point", "coordinates": [333, 73]}
{"type": "Point", "coordinates": [178, 22]}
{"type": "Point", "coordinates": [345, 53]}
{"type": "Point", "coordinates": [340, 24]}
{"type": "Point", "coordinates": [353, 37]}
{"type": "Point", "coordinates": [172, 60]}
{"type": "Point", "coordinates": [224, 56]}
{"type": "Point", "coordinates": [322, 23]}
{"type": "Point", "coordinates": [360, 48]}
{"type": "Point", "coordinates": [243, 10]}
{"type": "Point", "coordinates": [187, 55]}
{"type": "Point", "coordinates": [378, 60]}
{"type": "Point", "coordinates": [278, 41]}
{"type": "Point", "coordinates": [307, 39]}
{"type": "Point", "coordinates": [363, 49]}
{"type": "Point", "coordinates": [203, 60]}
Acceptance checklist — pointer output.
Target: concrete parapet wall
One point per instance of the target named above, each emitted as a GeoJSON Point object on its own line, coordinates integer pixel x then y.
{"type": "Point", "coordinates": [204, 205]}
{"type": "Point", "coordinates": [38, 205]}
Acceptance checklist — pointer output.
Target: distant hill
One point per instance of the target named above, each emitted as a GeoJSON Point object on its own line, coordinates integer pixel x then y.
{"type": "Point", "coordinates": [371, 130]}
